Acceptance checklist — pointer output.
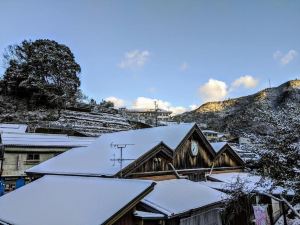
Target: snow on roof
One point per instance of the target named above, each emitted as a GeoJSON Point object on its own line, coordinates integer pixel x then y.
{"type": "Point", "coordinates": [173, 197]}
{"type": "Point", "coordinates": [44, 140]}
{"type": "Point", "coordinates": [12, 128]}
{"type": "Point", "coordinates": [251, 183]}
{"type": "Point", "coordinates": [100, 157]}
{"type": "Point", "coordinates": [148, 215]}
{"type": "Point", "coordinates": [62, 200]}
{"type": "Point", "coordinates": [217, 146]}
{"type": "Point", "coordinates": [209, 131]}
{"type": "Point", "coordinates": [233, 177]}
{"type": "Point", "coordinates": [214, 184]}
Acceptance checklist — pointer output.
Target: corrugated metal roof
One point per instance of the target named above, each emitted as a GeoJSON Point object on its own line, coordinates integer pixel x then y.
{"type": "Point", "coordinates": [12, 128]}
{"type": "Point", "coordinates": [44, 140]}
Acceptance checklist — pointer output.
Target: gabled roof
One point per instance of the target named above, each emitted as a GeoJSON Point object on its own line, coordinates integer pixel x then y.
{"type": "Point", "coordinates": [217, 146]}
{"type": "Point", "coordinates": [173, 197]}
{"type": "Point", "coordinates": [100, 158]}
{"type": "Point", "coordinates": [220, 147]}
{"type": "Point", "coordinates": [63, 200]}
{"type": "Point", "coordinates": [12, 128]}
{"type": "Point", "coordinates": [44, 140]}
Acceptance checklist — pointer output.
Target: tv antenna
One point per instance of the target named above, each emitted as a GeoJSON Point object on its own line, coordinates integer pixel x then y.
{"type": "Point", "coordinates": [121, 159]}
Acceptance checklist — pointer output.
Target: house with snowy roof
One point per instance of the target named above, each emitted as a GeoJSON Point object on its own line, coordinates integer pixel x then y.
{"type": "Point", "coordinates": [241, 150]}
{"type": "Point", "coordinates": [20, 150]}
{"type": "Point", "coordinates": [88, 182]}
{"type": "Point", "coordinates": [74, 200]}
{"type": "Point", "coordinates": [181, 201]}
{"type": "Point", "coordinates": [81, 200]}
{"type": "Point", "coordinates": [152, 153]}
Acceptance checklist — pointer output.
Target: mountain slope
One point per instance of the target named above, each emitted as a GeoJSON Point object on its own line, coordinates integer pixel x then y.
{"type": "Point", "coordinates": [244, 114]}
{"type": "Point", "coordinates": [14, 110]}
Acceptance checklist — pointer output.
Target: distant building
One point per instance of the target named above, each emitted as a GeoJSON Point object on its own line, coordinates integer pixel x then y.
{"type": "Point", "coordinates": [212, 135]}
{"type": "Point", "coordinates": [149, 116]}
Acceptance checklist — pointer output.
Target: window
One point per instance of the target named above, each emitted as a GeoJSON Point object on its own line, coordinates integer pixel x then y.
{"type": "Point", "coordinates": [33, 157]}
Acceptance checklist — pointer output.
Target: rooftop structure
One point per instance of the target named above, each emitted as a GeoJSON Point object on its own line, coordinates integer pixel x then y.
{"type": "Point", "coordinates": [13, 128]}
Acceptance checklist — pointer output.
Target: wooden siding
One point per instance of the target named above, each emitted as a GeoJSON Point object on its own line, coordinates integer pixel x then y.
{"type": "Point", "coordinates": [227, 158]}
{"type": "Point", "coordinates": [155, 164]}
{"type": "Point", "coordinates": [184, 159]}
{"type": "Point", "coordinates": [157, 160]}
{"type": "Point", "coordinates": [127, 219]}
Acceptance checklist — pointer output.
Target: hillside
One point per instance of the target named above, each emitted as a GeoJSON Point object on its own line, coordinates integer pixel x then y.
{"type": "Point", "coordinates": [244, 114]}
{"type": "Point", "coordinates": [13, 110]}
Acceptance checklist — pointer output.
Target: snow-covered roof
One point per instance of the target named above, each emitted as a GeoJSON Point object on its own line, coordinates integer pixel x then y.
{"type": "Point", "coordinates": [232, 177]}
{"type": "Point", "coordinates": [209, 131]}
{"type": "Point", "coordinates": [252, 183]}
{"type": "Point", "coordinates": [99, 158]}
{"type": "Point", "coordinates": [63, 200]}
{"type": "Point", "coordinates": [217, 146]}
{"type": "Point", "coordinates": [12, 128]}
{"type": "Point", "coordinates": [148, 215]}
{"type": "Point", "coordinates": [44, 140]}
{"type": "Point", "coordinates": [173, 197]}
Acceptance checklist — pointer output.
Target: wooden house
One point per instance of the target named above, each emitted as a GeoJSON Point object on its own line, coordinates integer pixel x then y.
{"type": "Point", "coordinates": [163, 155]}
{"type": "Point", "coordinates": [151, 153]}
{"type": "Point", "coordinates": [181, 201]}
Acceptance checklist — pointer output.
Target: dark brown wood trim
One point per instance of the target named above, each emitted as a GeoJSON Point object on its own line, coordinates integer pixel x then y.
{"type": "Point", "coordinates": [129, 206]}
{"type": "Point", "coordinates": [148, 155]}
{"type": "Point", "coordinates": [234, 154]}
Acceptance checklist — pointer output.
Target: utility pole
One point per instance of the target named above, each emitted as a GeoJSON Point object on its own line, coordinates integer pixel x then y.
{"type": "Point", "coordinates": [156, 112]}
{"type": "Point", "coordinates": [1, 155]}
{"type": "Point", "coordinates": [121, 159]}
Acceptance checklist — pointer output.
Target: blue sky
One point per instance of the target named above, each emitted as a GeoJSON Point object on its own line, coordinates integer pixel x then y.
{"type": "Point", "coordinates": [182, 53]}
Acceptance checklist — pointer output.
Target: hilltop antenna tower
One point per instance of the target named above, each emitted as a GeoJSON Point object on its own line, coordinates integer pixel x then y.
{"type": "Point", "coordinates": [121, 159]}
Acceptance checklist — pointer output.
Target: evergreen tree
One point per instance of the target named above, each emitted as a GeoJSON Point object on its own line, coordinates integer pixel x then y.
{"type": "Point", "coordinates": [42, 71]}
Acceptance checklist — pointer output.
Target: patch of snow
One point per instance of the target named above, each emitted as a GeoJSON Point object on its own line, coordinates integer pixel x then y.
{"type": "Point", "coordinates": [173, 197]}
{"type": "Point", "coordinates": [100, 158]}
{"type": "Point", "coordinates": [62, 200]}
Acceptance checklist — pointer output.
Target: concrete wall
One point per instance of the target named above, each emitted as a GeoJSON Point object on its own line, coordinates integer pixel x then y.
{"type": "Point", "coordinates": [15, 159]}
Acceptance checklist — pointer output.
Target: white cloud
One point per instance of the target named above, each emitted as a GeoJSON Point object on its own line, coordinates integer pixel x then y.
{"type": "Point", "coordinates": [184, 66]}
{"type": "Point", "coordinates": [193, 107]}
{"type": "Point", "coordinates": [134, 59]}
{"type": "Point", "coordinates": [247, 81]}
{"type": "Point", "coordinates": [285, 59]}
{"type": "Point", "coordinates": [148, 103]}
{"type": "Point", "coordinates": [213, 90]}
{"type": "Point", "coordinates": [117, 101]}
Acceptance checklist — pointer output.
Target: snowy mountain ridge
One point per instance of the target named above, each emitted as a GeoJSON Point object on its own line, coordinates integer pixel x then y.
{"type": "Point", "coordinates": [244, 113]}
